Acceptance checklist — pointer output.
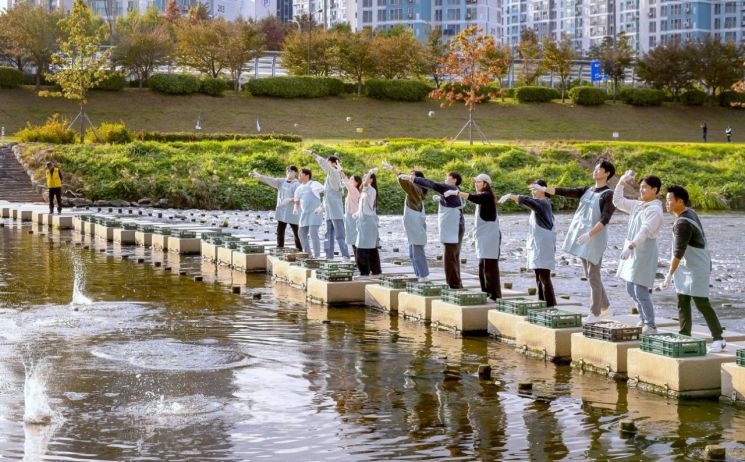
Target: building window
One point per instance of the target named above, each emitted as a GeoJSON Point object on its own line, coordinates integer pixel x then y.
{"type": "Point", "coordinates": [366, 3]}
{"type": "Point", "coordinates": [730, 22]}
{"type": "Point", "coordinates": [397, 14]}
{"type": "Point", "coordinates": [221, 9]}
{"type": "Point", "coordinates": [730, 7]}
{"type": "Point", "coordinates": [438, 15]}
{"type": "Point", "coordinates": [717, 8]}
{"type": "Point", "coordinates": [381, 15]}
{"type": "Point", "coordinates": [652, 27]}
{"type": "Point", "coordinates": [453, 2]}
{"type": "Point", "coordinates": [395, 2]}
{"type": "Point", "coordinates": [652, 42]}
{"type": "Point", "coordinates": [453, 14]}
{"type": "Point", "coordinates": [367, 16]}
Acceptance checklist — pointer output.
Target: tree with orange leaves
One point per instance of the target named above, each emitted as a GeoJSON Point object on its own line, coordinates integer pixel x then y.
{"type": "Point", "coordinates": [473, 62]}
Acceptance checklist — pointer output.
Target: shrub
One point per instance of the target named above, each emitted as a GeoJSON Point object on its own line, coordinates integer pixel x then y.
{"type": "Point", "coordinates": [509, 92]}
{"type": "Point", "coordinates": [397, 90]}
{"type": "Point", "coordinates": [536, 94]}
{"type": "Point", "coordinates": [113, 81]}
{"type": "Point", "coordinates": [587, 96]}
{"type": "Point", "coordinates": [350, 88]}
{"type": "Point", "coordinates": [10, 78]}
{"type": "Point", "coordinates": [693, 98]}
{"type": "Point", "coordinates": [730, 97]}
{"type": "Point", "coordinates": [53, 131]}
{"type": "Point", "coordinates": [174, 84]}
{"type": "Point", "coordinates": [643, 97]}
{"type": "Point", "coordinates": [212, 87]}
{"type": "Point", "coordinates": [166, 137]}
{"type": "Point", "coordinates": [295, 87]}
{"type": "Point", "coordinates": [111, 133]}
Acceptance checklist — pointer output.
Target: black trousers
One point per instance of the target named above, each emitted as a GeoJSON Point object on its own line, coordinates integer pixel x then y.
{"type": "Point", "coordinates": [452, 261]}
{"type": "Point", "coordinates": [368, 261]}
{"type": "Point", "coordinates": [545, 286]}
{"type": "Point", "coordinates": [489, 277]}
{"type": "Point", "coordinates": [55, 192]}
{"type": "Point", "coordinates": [281, 227]}
{"type": "Point", "coordinates": [704, 306]}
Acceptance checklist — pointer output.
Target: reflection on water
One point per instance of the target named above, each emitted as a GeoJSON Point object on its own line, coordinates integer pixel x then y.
{"type": "Point", "coordinates": [160, 367]}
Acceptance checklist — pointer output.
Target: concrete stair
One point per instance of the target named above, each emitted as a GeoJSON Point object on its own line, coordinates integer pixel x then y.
{"type": "Point", "coordinates": [15, 185]}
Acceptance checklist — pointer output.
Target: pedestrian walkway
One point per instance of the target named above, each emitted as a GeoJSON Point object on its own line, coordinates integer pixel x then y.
{"type": "Point", "coordinates": [15, 185]}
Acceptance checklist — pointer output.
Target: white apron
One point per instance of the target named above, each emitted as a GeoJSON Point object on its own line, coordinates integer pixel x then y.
{"type": "Point", "coordinates": [692, 276]}
{"type": "Point", "coordinates": [415, 225]}
{"type": "Point", "coordinates": [449, 221]}
{"type": "Point", "coordinates": [641, 266]}
{"type": "Point", "coordinates": [283, 212]}
{"type": "Point", "coordinates": [541, 246]}
{"type": "Point", "coordinates": [309, 202]}
{"type": "Point", "coordinates": [488, 237]}
{"type": "Point", "coordinates": [588, 215]}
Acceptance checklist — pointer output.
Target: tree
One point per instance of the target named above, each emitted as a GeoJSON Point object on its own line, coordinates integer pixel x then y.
{"type": "Point", "coordinates": [671, 66]}
{"type": "Point", "coordinates": [472, 61]}
{"type": "Point", "coordinates": [244, 41]}
{"type": "Point", "coordinates": [434, 51]}
{"type": "Point", "coordinates": [718, 64]}
{"type": "Point", "coordinates": [398, 53]}
{"type": "Point", "coordinates": [530, 51]}
{"type": "Point", "coordinates": [558, 59]}
{"type": "Point", "coordinates": [8, 51]}
{"type": "Point", "coordinates": [81, 61]}
{"type": "Point", "coordinates": [33, 32]}
{"type": "Point", "coordinates": [296, 44]}
{"type": "Point", "coordinates": [615, 55]}
{"type": "Point", "coordinates": [200, 45]}
{"type": "Point", "coordinates": [143, 43]}
{"type": "Point", "coordinates": [355, 56]}
{"type": "Point", "coordinates": [498, 61]}
{"type": "Point", "coordinates": [172, 11]}
{"type": "Point", "coordinates": [198, 13]}
{"type": "Point", "coordinates": [274, 32]}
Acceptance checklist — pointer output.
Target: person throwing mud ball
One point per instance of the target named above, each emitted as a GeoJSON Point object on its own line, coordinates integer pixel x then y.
{"type": "Point", "coordinates": [54, 183]}
{"type": "Point", "coordinates": [333, 205]}
{"type": "Point", "coordinates": [368, 257]}
{"type": "Point", "coordinates": [451, 223]}
{"type": "Point", "coordinates": [690, 266]}
{"type": "Point", "coordinates": [415, 220]}
{"type": "Point", "coordinates": [488, 234]}
{"type": "Point", "coordinates": [308, 207]}
{"type": "Point", "coordinates": [285, 200]}
{"type": "Point", "coordinates": [541, 242]}
{"type": "Point", "coordinates": [587, 236]}
{"type": "Point", "coordinates": [639, 257]}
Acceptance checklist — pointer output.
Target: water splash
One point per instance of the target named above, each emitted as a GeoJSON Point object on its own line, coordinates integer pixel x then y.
{"type": "Point", "coordinates": [36, 407]}
{"type": "Point", "coordinates": [78, 285]}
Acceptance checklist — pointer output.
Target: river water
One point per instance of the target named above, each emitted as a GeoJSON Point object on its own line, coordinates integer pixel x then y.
{"type": "Point", "coordinates": [122, 361]}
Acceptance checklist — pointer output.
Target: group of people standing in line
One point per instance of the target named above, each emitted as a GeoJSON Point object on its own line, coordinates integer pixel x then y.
{"type": "Point", "coordinates": [304, 203]}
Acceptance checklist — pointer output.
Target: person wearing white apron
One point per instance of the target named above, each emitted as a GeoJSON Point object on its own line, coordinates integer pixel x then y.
{"type": "Point", "coordinates": [451, 223]}
{"type": "Point", "coordinates": [333, 206]}
{"type": "Point", "coordinates": [351, 206]}
{"type": "Point", "coordinates": [285, 201]}
{"type": "Point", "coordinates": [587, 236]}
{"type": "Point", "coordinates": [690, 266]}
{"type": "Point", "coordinates": [415, 220]}
{"type": "Point", "coordinates": [638, 263]}
{"type": "Point", "coordinates": [487, 233]}
{"type": "Point", "coordinates": [308, 206]}
{"type": "Point", "coordinates": [541, 241]}
{"type": "Point", "coordinates": [368, 257]}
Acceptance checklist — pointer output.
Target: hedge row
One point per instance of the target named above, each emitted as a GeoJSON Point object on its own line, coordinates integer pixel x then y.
{"type": "Point", "coordinates": [397, 90]}
{"type": "Point", "coordinates": [10, 77]}
{"type": "Point", "coordinates": [191, 137]}
{"type": "Point", "coordinates": [295, 87]}
{"type": "Point", "coordinates": [587, 96]}
{"type": "Point", "coordinates": [536, 94]}
{"type": "Point", "coordinates": [643, 97]}
{"type": "Point", "coordinates": [185, 84]}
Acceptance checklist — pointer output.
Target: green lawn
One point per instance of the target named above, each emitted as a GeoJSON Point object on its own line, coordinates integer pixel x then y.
{"type": "Point", "coordinates": [325, 119]}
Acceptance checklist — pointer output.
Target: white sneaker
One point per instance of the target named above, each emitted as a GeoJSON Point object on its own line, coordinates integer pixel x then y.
{"type": "Point", "coordinates": [423, 279]}
{"type": "Point", "coordinates": [590, 318]}
{"type": "Point", "coordinates": [718, 346]}
{"type": "Point", "coordinates": [606, 314]}
{"type": "Point", "coordinates": [640, 324]}
{"type": "Point", "coordinates": [648, 330]}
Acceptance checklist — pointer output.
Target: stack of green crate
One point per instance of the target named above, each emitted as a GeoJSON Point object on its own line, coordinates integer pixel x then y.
{"type": "Point", "coordinates": [111, 223]}
{"type": "Point", "coordinates": [741, 357]}
{"type": "Point", "coordinates": [463, 297]}
{"type": "Point", "coordinates": [673, 345]}
{"type": "Point", "coordinates": [396, 281]}
{"type": "Point", "coordinates": [251, 248]}
{"type": "Point", "coordinates": [145, 228]}
{"type": "Point", "coordinates": [426, 289]}
{"type": "Point", "coordinates": [184, 234]}
{"type": "Point", "coordinates": [311, 263]}
{"type": "Point", "coordinates": [292, 257]}
{"type": "Point", "coordinates": [519, 306]}
{"type": "Point", "coordinates": [335, 271]}
{"type": "Point", "coordinates": [213, 234]}
{"type": "Point", "coordinates": [277, 251]}
{"type": "Point", "coordinates": [85, 218]}
{"type": "Point", "coordinates": [130, 226]}
{"type": "Point", "coordinates": [162, 230]}
{"type": "Point", "coordinates": [555, 319]}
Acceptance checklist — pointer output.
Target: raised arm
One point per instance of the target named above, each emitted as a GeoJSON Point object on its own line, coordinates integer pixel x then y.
{"type": "Point", "coordinates": [273, 182]}
{"type": "Point", "coordinates": [620, 202]}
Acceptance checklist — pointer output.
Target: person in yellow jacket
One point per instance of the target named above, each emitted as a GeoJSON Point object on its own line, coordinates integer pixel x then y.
{"type": "Point", "coordinates": [54, 183]}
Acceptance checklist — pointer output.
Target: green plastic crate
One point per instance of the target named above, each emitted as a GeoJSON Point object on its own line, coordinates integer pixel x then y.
{"type": "Point", "coordinates": [396, 281]}
{"type": "Point", "coordinates": [145, 228]}
{"type": "Point", "coordinates": [463, 297]}
{"type": "Point", "coordinates": [250, 248]}
{"type": "Point", "coordinates": [673, 345]}
{"type": "Point", "coordinates": [519, 306]}
{"type": "Point", "coordinates": [278, 251]}
{"type": "Point", "coordinates": [334, 275]}
{"type": "Point", "coordinates": [213, 234]}
{"type": "Point", "coordinates": [111, 223]}
{"type": "Point", "coordinates": [555, 319]}
{"type": "Point", "coordinates": [130, 226]}
{"type": "Point", "coordinates": [85, 218]}
{"type": "Point", "coordinates": [163, 231]}
{"type": "Point", "coordinates": [337, 266]}
{"type": "Point", "coordinates": [741, 357]}
{"type": "Point", "coordinates": [293, 256]}
{"type": "Point", "coordinates": [426, 289]}
{"type": "Point", "coordinates": [185, 234]}
{"type": "Point", "coordinates": [311, 263]}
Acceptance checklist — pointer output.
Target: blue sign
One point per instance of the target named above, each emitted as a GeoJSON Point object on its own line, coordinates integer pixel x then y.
{"type": "Point", "coordinates": [596, 72]}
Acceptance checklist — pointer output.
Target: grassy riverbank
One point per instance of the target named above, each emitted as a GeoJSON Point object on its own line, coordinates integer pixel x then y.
{"type": "Point", "coordinates": [215, 174]}
{"type": "Point", "coordinates": [325, 118]}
